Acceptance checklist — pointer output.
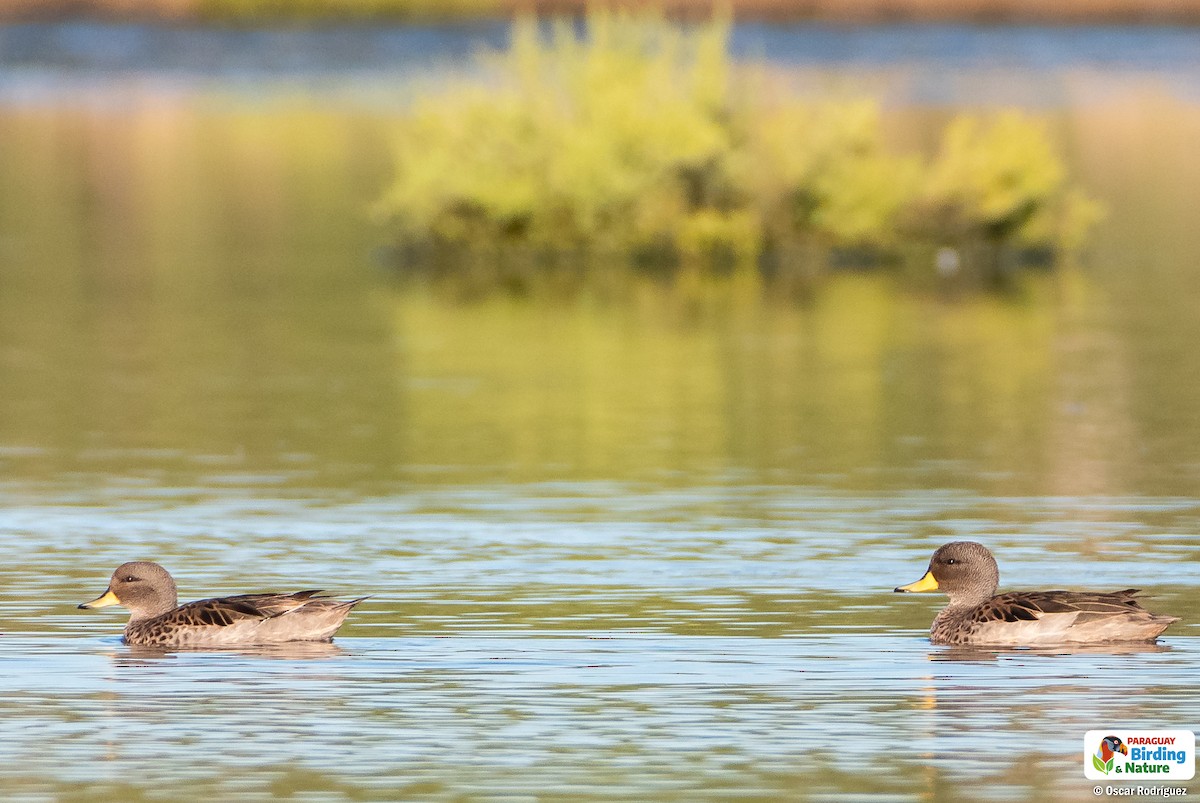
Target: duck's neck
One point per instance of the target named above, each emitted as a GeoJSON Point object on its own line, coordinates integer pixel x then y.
{"type": "Point", "coordinates": [152, 608]}
{"type": "Point", "coordinates": [970, 598]}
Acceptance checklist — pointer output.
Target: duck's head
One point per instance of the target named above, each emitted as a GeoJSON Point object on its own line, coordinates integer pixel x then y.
{"type": "Point", "coordinates": [964, 570]}
{"type": "Point", "coordinates": [145, 588]}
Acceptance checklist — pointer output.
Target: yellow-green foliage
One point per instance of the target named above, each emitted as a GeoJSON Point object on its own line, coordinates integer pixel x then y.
{"type": "Point", "coordinates": [595, 144]}
{"type": "Point", "coordinates": [823, 168]}
{"type": "Point", "coordinates": [641, 138]}
{"type": "Point", "coordinates": [1000, 179]}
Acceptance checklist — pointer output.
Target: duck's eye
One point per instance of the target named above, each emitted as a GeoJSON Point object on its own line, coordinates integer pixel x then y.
{"type": "Point", "coordinates": [131, 579]}
{"type": "Point", "coordinates": [951, 561]}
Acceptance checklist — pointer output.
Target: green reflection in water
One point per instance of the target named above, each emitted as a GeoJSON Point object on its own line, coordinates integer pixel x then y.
{"type": "Point", "coordinates": [188, 299]}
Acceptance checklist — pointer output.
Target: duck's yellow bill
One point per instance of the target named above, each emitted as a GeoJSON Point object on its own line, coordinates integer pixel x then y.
{"type": "Point", "coordinates": [926, 583]}
{"type": "Point", "coordinates": [102, 601]}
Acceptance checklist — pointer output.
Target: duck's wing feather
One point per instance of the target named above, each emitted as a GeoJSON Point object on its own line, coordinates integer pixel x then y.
{"type": "Point", "coordinates": [1050, 617]}
{"type": "Point", "coordinates": [1018, 606]}
{"type": "Point", "coordinates": [225, 611]}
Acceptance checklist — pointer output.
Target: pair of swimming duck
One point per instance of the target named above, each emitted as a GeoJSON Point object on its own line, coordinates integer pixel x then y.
{"type": "Point", "coordinates": [964, 570]}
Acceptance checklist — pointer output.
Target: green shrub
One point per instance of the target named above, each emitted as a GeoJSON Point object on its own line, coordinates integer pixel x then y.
{"type": "Point", "coordinates": [642, 140]}
{"type": "Point", "coordinates": [999, 180]}
{"type": "Point", "coordinates": [598, 144]}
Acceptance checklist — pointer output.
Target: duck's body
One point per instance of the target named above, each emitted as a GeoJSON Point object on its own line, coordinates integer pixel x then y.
{"type": "Point", "coordinates": [156, 619]}
{"type": "Point", "coordinates": [242, 620]}
{"type": "Point", "coordinates": [1050, 617]}
{"type": "Point", "coordinates": [976, 615]}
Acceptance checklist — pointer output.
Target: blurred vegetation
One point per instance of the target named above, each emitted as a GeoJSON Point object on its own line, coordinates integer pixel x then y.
{"type": "Point", "coordinates": [1001, 180]}
{"type": "Point", "coordinates": [641, 139]}
{"type": "Point", "coordinates": [258, 10]}
{"type": "Point", "coordinates": [191, 263]}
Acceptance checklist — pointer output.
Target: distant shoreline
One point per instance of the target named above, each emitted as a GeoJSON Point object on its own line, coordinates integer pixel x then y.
{"type": "Point", "coordinates": [1038, 12]}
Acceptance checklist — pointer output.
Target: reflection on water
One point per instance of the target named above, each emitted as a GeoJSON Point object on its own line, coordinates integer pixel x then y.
{"type": "Point", "coordinates": [633, 541]}
{"type": "Point", "coordinates": [138, 655]}
{"type": "Point", "coordinates": [1066, 651]}
{"type": "Point", "coordinates": [637, 716]}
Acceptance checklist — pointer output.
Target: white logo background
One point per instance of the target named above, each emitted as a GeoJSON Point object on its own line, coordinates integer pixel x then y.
{"type": "Point", "coordinates": [1184, 742]}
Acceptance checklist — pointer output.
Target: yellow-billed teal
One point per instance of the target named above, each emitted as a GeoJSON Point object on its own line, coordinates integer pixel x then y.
{"type": "Point", "coordinates": [157, 619]}
{"type": "Point", "coordinates": [968, 574]}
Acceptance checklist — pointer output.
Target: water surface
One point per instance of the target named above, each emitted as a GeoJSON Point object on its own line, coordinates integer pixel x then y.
{"type": "Point", "coordinates": [623, 543]}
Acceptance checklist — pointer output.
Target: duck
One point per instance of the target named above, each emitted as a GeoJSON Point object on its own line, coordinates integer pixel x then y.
{"type": "Point", "coordinates": [977, 615]}
{"type": "Point", "coordinates": [157, 619]}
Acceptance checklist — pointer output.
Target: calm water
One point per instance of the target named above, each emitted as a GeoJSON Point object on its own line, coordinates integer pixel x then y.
{"type": "Point", "coordinates": [623, 544]}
